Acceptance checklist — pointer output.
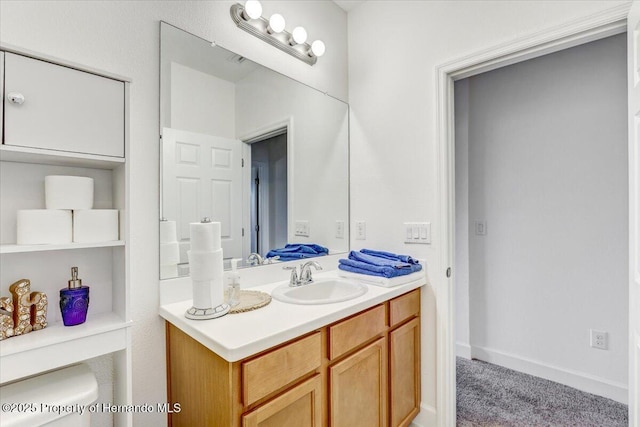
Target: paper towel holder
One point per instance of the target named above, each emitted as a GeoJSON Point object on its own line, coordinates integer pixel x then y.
{"type": "Point", "coordinates": [207, 313]}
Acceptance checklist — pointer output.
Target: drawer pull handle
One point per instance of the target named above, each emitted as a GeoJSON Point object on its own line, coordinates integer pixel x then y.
{"type": "Point", "coordinates": [16, 98]}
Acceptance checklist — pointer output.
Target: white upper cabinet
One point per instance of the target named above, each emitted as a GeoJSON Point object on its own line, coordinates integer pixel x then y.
{"type": "Point", "coordinates": [59, 108]}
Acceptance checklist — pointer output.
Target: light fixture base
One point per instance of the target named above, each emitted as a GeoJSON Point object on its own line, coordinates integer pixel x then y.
{"type": "Point", "coordinates": [258, 27]}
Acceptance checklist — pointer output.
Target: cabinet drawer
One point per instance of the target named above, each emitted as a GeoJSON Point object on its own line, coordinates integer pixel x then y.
{"type": "Point", "coordinates": [64, 109]}
{"type": "Point", "coordinates": [349, 334]}
{"type": "Point", "coordinates": [404, 307]}
{"type": "Point", "coordinates": [274, 370]}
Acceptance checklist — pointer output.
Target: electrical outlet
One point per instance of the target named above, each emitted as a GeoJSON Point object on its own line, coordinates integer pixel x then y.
{"type": "Point", "coordinates": [339, 229]}
{"type": "Point", "coordinates": [361, 230]}
{"type": "Point", "coordinates": [598, 339]}
{"type": "Point", "coordinates": [481, 228]}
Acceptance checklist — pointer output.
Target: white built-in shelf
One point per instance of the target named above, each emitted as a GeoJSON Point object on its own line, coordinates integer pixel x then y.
{"type": "Point", "coordinates": [9, 153]}
{"type": "Point", "coordinates": [58, 345]}
{"type": "Point", "coordinates": [17, 249]}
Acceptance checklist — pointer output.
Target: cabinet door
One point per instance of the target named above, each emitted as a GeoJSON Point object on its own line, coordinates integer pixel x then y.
{"type": "Point", "coordinates": [358, 388]}
{"type": "Point", "coordinates": [299, 407]}
{"type": "Point", "coordinates": [63, 109]}
{"type": "Point", "coordinates": [404, 380]}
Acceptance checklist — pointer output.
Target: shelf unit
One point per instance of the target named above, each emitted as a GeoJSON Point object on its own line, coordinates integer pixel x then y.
{"type": "Point", "coordinates": [104, 266]}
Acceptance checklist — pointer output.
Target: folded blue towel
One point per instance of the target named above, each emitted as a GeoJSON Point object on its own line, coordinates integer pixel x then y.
{"type": "Point", "coordinates": [389, 255]}
{"type": "Point", "coordinates": [384, 266]}
{"type": "Point", "coordinates": [372, 270]}
{"type": "Point", "coordinates": [293, 251]}
{"type": "Point", "coordinates": [378, 261]}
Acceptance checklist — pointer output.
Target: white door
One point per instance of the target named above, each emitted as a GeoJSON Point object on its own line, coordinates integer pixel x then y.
{"type": "Point", "coordinates": [633, 60]}
{"type": "Point", "coordinates": [202, 177]}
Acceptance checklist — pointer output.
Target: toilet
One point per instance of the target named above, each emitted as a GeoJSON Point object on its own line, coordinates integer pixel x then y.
{"type": "Point", "coordinates": [39, 401]}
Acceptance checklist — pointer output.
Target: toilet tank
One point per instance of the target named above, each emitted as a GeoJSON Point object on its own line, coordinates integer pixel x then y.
{"type": "Point", "coordinates": [59, 398]}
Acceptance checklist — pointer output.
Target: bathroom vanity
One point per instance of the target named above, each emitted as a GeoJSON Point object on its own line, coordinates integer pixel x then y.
{"type": "Point", "coordinates": [354, 363]}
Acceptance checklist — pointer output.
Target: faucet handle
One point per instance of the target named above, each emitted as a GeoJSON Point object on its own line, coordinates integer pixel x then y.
{"type": "Point", "coordinates": [293, 281]}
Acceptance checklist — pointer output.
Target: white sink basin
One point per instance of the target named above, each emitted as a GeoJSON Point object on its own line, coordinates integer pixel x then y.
{"type": "Point", "coordinates": [320, 291]}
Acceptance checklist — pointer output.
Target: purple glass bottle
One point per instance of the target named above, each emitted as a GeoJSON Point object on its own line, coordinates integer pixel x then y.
{"type": "Point", "coordinates": [74, 301]}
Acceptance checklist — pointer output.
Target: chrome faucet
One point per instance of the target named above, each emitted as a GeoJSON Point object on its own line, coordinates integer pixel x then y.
{"type": "Point", "coordinates": [255, 259]}
{"type": "Point", "coordinates": [305, 273]}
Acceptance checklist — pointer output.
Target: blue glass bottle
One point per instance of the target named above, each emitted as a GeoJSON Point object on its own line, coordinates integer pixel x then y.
{"type": "Point", "coordinates": [74, 301]}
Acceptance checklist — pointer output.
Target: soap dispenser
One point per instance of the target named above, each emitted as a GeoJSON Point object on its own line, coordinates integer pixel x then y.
{"type": "Point", "coordinates": [74, 301]}
{"type": "Point", "coordinates": [234, 284]}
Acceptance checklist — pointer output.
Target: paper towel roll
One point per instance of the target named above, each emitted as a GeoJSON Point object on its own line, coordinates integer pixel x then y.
{"type": "Point", "coordinates": [207, 293]}
{"type": "Point", "coordinates": [167, 232]}
{"type": "Point", "coordinates": [95, 225]}
{"type": "Point", "coordinates": [42, 226]}
{"type": "Point", "coordinates": [206, 265]}
{"type": "Point", "coordinates": [68, 192]}
{"type": "Point", "coordinates": [169, 253]}
{"type": "Point", "coordinates": [205, 236]}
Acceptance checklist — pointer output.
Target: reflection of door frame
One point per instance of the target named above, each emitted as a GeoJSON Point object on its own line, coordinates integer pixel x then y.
{"type": "Point", "coordinates": [259, 134]}
{"type": "Point", "coordinates": [263, 202]}
{"type": "Point", "coordinates": [606, 23]}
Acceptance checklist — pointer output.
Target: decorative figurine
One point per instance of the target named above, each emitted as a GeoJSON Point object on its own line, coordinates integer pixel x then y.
{"type": "Point", "coordinates": [29, 308]}
{"type": "Point", "coordinates": [6, 318]}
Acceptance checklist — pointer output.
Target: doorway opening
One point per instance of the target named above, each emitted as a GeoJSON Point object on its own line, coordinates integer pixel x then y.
{"type": "Point", "coordinates": [541, 156]}
{"type": "Point", "coordinates": [268, 203]}
{"type": "Point", "coordinates": [595, 27]}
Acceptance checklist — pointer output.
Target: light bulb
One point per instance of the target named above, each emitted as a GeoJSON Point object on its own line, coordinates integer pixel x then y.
{"type": "Point", "coordinates": [252, 9]}
{"type": "Point", "coordinates": [298, 36]}
{"type": "Point", "coordinates": [276, 23]}
{"type": "Point", "coordinates": [317, 48]}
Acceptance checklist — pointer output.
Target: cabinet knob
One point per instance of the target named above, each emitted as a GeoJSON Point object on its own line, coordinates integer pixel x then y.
{"type": "Point", "coordinates": [16, 98]}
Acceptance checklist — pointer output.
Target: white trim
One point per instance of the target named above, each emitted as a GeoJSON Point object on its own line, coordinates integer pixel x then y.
{"type": "Point", "coordinates": [272, 129]}
{"type": "Point", "coordinates": [426, 416]}
{"type": "Point", "coordinates": [576, 379]}
{"type": "Point", "coordinates": [590, 28]}
{"type": "Point", "coordinates": [463, 350]}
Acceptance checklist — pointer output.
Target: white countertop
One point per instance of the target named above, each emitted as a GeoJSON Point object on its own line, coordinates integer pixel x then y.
{"type": "Point", "coordinates": [237, 336]}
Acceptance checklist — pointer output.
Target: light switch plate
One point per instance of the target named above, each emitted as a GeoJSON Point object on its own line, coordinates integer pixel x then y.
{"type": "Point", "coordinates": [417, 232]}
{"type": "Point", "coordinates": [339, 229]}
{"type": "Point", "coordinates": [302, 228]}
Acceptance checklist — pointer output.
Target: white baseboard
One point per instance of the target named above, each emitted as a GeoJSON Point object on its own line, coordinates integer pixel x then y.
{"type": "Point", "coordinates": [579, 380]}
{"type": "Point", "coordinates": [427, 416]}
{"type": "Point", "coordinates": [463, 350]}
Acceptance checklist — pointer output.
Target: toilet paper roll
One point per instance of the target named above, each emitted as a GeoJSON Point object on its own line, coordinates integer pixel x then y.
{"type": "Point", "coordinates": [169, 253]}
{"type": "Point", "coordinates": [68, 192]}
{"type": "Point", "coordinates": [42, 226]}
{"type": "Point", "coordinates": [205, 236]}
{"type": "Point", "coordinates": [206, 265]}
{"type": "Point", "coordinates": [168, 232]}
{"type": "Point", "coordinates": [95, 225]}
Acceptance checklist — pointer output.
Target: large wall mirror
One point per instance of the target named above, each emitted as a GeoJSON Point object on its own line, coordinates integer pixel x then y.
{"type": "Point", "coordinates": [264, 155]}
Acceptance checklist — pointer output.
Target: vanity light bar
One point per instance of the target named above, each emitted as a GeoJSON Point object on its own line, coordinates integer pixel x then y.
{"type": "Point", "coordinates": [282, 39]}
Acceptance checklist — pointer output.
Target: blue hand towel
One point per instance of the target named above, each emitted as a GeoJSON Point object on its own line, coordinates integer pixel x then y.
{"type": "Point", "coordinates": [389, 255]}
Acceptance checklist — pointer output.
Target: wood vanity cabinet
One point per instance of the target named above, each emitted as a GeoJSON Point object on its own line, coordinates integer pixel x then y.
{"type": "Point", "coordinates": [360, 371]}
